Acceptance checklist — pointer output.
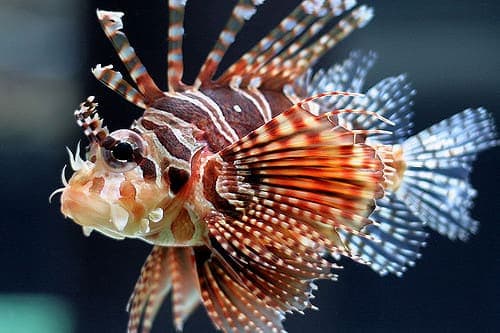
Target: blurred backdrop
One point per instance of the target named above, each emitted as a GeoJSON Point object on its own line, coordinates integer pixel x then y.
{"type": "Point", "coordinates": [53, 279]}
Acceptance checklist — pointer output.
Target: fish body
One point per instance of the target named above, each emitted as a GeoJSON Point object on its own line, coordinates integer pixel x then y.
{"type": "Point", "coordinates": [249, 185]}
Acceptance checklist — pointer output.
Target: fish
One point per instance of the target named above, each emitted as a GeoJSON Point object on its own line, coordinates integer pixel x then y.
{"type": "Point", "coordinates": [250, 185]}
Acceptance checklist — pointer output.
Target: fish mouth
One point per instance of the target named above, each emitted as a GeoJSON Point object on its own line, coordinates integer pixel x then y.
{"type": "Point", "coordinates": [86, 210]}
{"type": "Point", "coordinates": [93, 213]}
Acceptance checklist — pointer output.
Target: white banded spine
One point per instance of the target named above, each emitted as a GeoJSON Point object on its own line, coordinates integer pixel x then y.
{"type": "Point", "coordinates": [112, 24]}
{"type": "Point", "coordinates": [175, 35]}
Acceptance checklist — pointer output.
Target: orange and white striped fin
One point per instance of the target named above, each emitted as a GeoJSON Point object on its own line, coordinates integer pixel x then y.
{"type": "Point", "coordinates": [307, 172]}
{"type": "Point", "coordinates": [285, 193]}
{"type": "Point", "coordinates": [114, 81]}
{"type": "Point", "coordinates": [242, 12]}
{"type": "Point", "coordinates": [149, 292]}
{"type": "Point", "coordinates": [166, 268]}
{"type": "Point", "coordinates": [294, 62]}
{"type": "Point", "coordinates": [304, 22]}
{"type": "Point", "coordinates": [236, 307]}
{"type": "Point", "coordinates": [290, 27]}
{"type": "Point", "coordinates": [185, 286]}
{"type": "Point", "coordinates": [175, 36]}
{"type": "Point", "coordinates": [111, 23]}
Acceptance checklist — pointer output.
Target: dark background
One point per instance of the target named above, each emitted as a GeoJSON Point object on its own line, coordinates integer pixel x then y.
{"type": "Point", "coordinates": [449, 49]}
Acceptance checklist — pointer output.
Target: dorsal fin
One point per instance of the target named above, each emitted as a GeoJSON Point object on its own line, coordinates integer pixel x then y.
{"type": "Point", "coordinates": [281, 56]}
{"type": "Point", "coordinates": [112, 24]}
{"type": "Point", "coordinates": [175, 35]}
{"type": "Point", "coordinates": [296, 60]}
{"type": "Point", "coordinates": [242, 12]}
{"type": "Point", "coordinates": [305, 21]}
{"type": "Point", "coordinates": [114, 81]}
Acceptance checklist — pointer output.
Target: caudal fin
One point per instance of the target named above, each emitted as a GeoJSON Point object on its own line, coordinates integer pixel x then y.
{"type": "Point", "coordinates": [435, 184]}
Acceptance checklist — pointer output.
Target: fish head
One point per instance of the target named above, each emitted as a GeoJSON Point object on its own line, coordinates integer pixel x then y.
{"type": "Point", "coordinates": [119, 189]}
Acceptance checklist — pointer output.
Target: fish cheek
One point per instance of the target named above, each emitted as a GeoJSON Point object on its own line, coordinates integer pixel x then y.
{"type": "Point", "coordinates": [128, 199]}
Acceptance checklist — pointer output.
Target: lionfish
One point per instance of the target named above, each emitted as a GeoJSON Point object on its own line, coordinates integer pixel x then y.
{"type": "Point", "coordinates": [250, 185]}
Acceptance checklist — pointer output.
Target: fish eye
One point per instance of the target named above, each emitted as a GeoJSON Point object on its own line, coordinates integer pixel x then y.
{"type": "Point", "coordinates": [122, 149]}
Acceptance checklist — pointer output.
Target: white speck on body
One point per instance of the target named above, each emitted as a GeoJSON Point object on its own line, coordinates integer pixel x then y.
{"type": "Point", "coordinates": [237, 108]}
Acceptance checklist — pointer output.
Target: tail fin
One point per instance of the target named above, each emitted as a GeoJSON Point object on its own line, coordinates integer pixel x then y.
{"type": "Point", "coordinates": [438, 161]}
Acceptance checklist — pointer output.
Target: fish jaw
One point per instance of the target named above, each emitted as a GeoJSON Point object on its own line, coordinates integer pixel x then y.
{"type": "Point", "coordinates": [89, 211]}
{"type": "Point", "coordinates": [106, 202]}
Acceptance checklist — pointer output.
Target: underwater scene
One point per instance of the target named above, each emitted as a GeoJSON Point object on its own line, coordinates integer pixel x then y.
{"type": "Point", "coordinates": [249, 166]}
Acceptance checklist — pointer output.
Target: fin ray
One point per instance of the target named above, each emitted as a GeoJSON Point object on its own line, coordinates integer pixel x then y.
{"type": "Point", "coordinates": [114, 81]}
{"type": "Point", "coordinates": [150, 290]}
{"type": "Point", "coordinates": [112, 24]}
{"type": "Point", "coordinates": [435, 185]}
{"type": "Point", "coordinates": [242, 12]}
{"type": "Point", "coordinates": [175, 35]}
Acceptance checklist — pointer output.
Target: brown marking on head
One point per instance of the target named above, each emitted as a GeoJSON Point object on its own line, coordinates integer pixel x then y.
{"type": "Point", "coordinates": [177, 178]}
{"type": "Point", "coordinates": [194, 115]}
{"type": "Point", "coordinates": [127, 190]}
{"type": "Point", "coordinates": [168, 140]}
{"type": "Point", "coordinates": [182, 227]}
{"type": "Point", "coordinates": [97, 185]}
{"type": "Point", "coordinates": [128, 199]}
{"type": "Point", "coordinates": [148, 169]}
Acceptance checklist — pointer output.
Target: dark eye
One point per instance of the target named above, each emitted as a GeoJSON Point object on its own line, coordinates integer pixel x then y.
{"type": "Point", "coordinates": [122, 149]}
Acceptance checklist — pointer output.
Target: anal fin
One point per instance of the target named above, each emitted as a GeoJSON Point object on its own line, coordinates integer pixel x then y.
{"type": "Point", "coordinates": [166, 269]}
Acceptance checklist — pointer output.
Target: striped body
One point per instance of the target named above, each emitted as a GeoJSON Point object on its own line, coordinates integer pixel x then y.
{"type": "Point", "coordinates": [251, 184]}
{"type": "Point", "coordinates": [217, 118]}
{"type": "Point", "coordinates": [218, 112]}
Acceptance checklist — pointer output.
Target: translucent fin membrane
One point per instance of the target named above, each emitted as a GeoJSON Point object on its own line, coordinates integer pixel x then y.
{"type": "Point", "coordinates": [112, 24]}
{"type": "Point", "coordinates": [390, 98]}
{"type": "Point", "coordinates": [347, 76]}
{"type": "Point", "coordinates": [242, 12]}
{"type": "Point", "coordinates": [175, 35]}
{"type": "Point", "coordinates": [400, 235]}
{"type": "Point", "coordinates": [439, 159]}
